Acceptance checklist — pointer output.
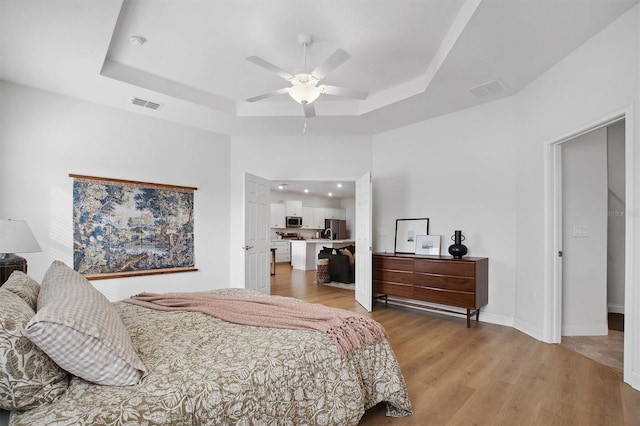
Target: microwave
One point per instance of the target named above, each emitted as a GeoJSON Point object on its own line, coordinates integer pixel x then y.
{"type": "Point", "coordinates": [294, 222]}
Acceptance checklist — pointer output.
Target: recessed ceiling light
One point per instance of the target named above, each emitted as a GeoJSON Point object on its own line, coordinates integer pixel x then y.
{"type": "Point", "coordinates": [330, 194]}
{"type": "Point", "coordinates": [280, 186]}
{"type": "Point", "coordinates": [137, 39]}
{"type": "Point", "coordinates": [339, 185]}
{"type": "Point", "coordinates": [306, 190]}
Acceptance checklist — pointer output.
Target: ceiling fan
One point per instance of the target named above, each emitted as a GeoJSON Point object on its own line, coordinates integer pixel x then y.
{"type": "Point", "coordinates": [304, 85]}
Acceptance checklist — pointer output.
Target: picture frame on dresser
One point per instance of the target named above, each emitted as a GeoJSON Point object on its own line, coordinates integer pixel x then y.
{"type": "Point", "coordinates": [406, 232]}
{"type": "Point", "coordinates": [428, 244]}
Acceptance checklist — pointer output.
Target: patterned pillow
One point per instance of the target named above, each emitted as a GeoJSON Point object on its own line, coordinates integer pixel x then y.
{"type": "Point", "coordinates": [28, 377]}
{"type": "Point", "coordinates": [25, 287]}
{"type": "Point", "coordinates": [81, 330]}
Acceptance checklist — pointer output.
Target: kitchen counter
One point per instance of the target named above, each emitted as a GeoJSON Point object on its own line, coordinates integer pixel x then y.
{"type": "Point", "coordinates": [283, 250]}
{"type": "Point", "coordinates": [304, 253]}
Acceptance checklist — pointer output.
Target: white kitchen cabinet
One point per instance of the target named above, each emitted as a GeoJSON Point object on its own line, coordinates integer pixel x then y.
{"type": "Point", "coordinates": [293, 208]}
{"type": "Point", "coordinates": [318, 217]}
{"type": "Point", "coordinates": [307, 218]}
{"type": "Point", "coordinates": [277, 218]}
{"type": "Point", "coordinates": [334, 213]}
{"type": "Point", "coordinates": [283, 251]}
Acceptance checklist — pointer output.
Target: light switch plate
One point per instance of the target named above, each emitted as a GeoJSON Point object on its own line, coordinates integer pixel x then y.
{"type": "Point", "coordinates": [581, 231]}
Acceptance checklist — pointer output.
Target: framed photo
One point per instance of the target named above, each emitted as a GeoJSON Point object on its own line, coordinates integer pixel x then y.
{"type": "Point", "coordinates": [428, 244]}
{"type": "Point", "coordinates": [406, 232]}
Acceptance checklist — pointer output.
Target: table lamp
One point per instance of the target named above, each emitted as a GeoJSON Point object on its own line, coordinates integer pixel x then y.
{"type": "Point", "coordinates": [15, 237]}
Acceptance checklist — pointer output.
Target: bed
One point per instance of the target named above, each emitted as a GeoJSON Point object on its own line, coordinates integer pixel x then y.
{"type": "Point", "coordinates": [193, 369]}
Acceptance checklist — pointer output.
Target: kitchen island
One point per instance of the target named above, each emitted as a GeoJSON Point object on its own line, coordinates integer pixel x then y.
{"type": "Point", "coordinates": [304, 253]}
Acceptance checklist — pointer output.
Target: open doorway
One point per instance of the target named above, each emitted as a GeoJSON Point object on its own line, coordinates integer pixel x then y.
{"type": "Point", "coordinates": [309, 215]}
{"type": "Point", "coordinates": [593, 243]}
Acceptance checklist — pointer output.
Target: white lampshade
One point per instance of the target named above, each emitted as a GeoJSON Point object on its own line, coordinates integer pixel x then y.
{"type": "Point", "coordinates": [16, 237]}
{"type": "Point", "coordinates": [304, 93]}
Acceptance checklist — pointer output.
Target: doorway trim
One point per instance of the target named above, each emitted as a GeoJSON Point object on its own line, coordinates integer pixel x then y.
{"type": "Point", "coordinates": [552, 321]}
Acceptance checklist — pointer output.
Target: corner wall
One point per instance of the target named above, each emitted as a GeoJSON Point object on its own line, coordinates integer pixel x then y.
{"type": "Point", "coordinates": [598, 79]}
{"type": "Point", "coordinates": [45, 136]}
{"type": "Point", "coordinates": [459, 171]}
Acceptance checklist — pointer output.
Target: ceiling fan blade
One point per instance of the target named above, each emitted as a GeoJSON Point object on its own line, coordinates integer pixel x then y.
{"type": "Point", "coordinates": [336, 59]}
{"type": "Point", "coordinates": [268, 95]}
{"type": "Point", "coordinates": [309, 110]}
{"type": "Point", "coordinates": [269, 66]}
{"type": "Point", "coordinates": [343, 91]}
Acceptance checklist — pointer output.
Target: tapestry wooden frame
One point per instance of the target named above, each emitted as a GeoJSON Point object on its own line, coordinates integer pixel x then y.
{"type": "Point", "coordinates": [124, 228]}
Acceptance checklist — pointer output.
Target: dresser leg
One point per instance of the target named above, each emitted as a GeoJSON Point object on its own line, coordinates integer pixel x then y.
{"type": "Point", "coordinates": [477, 314]}
{"type": "Point", "coordinates": [468, 317]}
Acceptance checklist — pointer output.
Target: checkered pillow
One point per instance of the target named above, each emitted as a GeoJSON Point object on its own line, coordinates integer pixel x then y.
{"type": "Point", "coordinates": [21, 284]}
{"type": "Point", "coordinates": [81, 331]}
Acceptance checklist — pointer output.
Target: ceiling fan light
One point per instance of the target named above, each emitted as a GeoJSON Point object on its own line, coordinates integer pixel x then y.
{"type": "Point", "coordinates": [304, 93]}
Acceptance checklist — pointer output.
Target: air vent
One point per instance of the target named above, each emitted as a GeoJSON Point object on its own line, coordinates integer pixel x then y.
{"type": "Point", "coordinates": [146, 104]}
{"type": "Point", "coordinates": [489, 88]}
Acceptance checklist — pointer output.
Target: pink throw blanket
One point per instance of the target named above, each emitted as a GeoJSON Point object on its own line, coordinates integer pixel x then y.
{"type": "Point", "coordinates": [348, 329]}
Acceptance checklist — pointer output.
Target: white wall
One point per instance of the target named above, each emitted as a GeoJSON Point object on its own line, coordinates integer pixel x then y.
{"type": "Point", "coordinates": [305, 157]}
{"type": "Point", "coordinates": [598, 79]}
{"type": "Point", "coordinates": [584, 235]}
{"type": "Point", "coordinates": [44, 137]}
{"type": "Point", "coordinates": [616, 217]}
{"type": "Point", "coordinates": [459, 171]}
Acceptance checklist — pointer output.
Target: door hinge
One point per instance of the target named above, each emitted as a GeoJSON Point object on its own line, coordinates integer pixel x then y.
{"type": "Point", "coordinates": [560, 253]}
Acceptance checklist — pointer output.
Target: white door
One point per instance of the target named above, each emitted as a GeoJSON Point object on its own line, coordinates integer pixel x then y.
{"type": "Point", "coordinates": [364, 287]}
{"type": "Point", "coordinates": [584, 234]}
{"type": "Point", "coordinates": [257, 257]}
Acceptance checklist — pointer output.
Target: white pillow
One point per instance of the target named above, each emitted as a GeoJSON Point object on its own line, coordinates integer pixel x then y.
{"type": "Point", "coordinates": [81, 331]}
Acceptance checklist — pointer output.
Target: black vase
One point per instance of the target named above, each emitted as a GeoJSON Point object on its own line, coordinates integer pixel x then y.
{"type": "Point", "coordinates": [457, 249]}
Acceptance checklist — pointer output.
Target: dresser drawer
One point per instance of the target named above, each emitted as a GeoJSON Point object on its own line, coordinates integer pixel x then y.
{"type": "Point", "coordinates": [445, 282]}
{"type": "Point", "coordinates": [445, 297]}
{"type": "Point", "coordinates": [395, 263]}
{"type": "Point", "coordinates": [440, 280]}
{"type": "Point", "coordinates": [405, 277]}
{"type": "Point", "coordinates": [449, 267]}
{"type": "Point", "coordinates": [392, 289]}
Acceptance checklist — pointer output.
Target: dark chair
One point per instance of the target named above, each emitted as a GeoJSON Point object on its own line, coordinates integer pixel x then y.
{"type": "Point", "coordinates": [340, 269]}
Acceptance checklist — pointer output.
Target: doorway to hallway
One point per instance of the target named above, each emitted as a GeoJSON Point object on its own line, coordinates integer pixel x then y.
{"type": "Point", "coordinates": [592, 223]}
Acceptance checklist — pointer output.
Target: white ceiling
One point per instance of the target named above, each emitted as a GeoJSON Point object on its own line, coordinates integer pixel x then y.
{"type": "Point", "coordinates": [416, 58]}
{"type": "Point", "coordinates": [316, 188]}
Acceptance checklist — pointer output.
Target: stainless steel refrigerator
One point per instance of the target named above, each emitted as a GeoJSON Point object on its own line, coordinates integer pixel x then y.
{"type": "Point", "coordinates": [337, 229]}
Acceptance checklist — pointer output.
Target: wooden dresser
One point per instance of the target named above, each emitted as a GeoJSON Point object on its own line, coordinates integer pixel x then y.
{"type": "Point", "coordinates": [443, 280]}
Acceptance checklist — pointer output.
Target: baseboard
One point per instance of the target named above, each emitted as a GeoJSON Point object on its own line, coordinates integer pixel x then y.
{"type": "Point", "coordinates": [528, 329]}
{"type": "Point", "coordinates": [634, 381]}
{"type": "Point", "coordinates": [585, 330]}
{"type": "Point", "coordinates": [487, 317]}
{"type": "Point", "coordinates": [615, 309]}
{"type": "Point", "coordinates": [496, 319]}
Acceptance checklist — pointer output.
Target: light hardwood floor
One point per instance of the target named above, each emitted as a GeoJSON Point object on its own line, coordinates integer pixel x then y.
{"type": "Point", "coordinates": [485, 375]}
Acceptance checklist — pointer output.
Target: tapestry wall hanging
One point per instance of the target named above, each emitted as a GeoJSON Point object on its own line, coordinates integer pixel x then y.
{"type": "Point", "coordinates": [124, 228]}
